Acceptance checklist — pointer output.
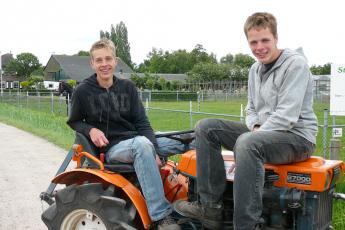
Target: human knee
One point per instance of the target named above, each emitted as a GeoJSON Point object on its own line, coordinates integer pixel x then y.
{"type": "Point", "coordinates": [244, 142]}
{"type": "Point", "coordinates": [143, 146]}
{"type": "Point", "coordinates": [204, 125]}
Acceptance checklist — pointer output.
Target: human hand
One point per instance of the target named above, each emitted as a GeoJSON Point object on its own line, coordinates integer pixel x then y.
{"type": "Point", "coordinates": [98, 138]}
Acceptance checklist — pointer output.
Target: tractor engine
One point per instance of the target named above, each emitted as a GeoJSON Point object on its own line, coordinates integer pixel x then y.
{"type": "Point", "coordinates": [300, 195]}
{"type": "Point", "coordinates": [296, 196]}
{"type": "Point", "coordinates": [291, 208]}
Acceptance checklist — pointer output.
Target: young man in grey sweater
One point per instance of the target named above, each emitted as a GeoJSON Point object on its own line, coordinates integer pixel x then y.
{"type": "Point", "coordinates": [280, 128]}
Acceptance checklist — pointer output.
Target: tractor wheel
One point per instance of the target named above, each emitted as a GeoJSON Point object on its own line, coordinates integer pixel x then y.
{"type": "Point", "coordinates": [88, 206]}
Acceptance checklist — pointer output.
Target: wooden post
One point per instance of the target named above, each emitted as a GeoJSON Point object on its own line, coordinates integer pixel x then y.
{"type": "Point", "coordinates": [334, 148]}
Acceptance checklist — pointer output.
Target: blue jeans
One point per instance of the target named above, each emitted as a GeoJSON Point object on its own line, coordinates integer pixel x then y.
{"type": "Point", "coordinates": [141, 153]}
{"type": "Point", "coordinates": [168, 147]}
{"type": "Point", "coordinates": [252, 150]}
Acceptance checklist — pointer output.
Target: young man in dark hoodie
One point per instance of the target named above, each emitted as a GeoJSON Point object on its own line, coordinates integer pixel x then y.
{"type": "Point", "coordinates": [280, 128]}
{"type": "Point", "coordinates": [108, 111]}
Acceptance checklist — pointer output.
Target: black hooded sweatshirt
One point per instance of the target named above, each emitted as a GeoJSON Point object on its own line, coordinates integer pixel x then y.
{"type": "Point", "coordinates": [117, 112]}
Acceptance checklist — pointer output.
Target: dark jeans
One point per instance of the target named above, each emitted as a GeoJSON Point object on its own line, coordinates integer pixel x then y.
{"type": "Point", "coordinates": [252, 150]}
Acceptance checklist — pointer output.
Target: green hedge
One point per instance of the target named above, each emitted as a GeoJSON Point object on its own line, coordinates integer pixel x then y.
{"type": "Point", "coordinates": [174, 96]}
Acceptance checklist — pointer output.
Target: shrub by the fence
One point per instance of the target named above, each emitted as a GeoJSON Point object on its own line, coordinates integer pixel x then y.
{"type": "Point", "coordinates": [170, 96]}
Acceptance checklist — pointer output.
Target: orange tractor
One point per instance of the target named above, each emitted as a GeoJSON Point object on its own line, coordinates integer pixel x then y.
{"type": "Point", "coordinates": [100, 196]}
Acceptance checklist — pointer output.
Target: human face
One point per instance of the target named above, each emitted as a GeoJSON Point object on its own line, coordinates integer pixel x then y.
{"type": "Point", "coordinates": [263, 44]}
{"type": "Point", "coordinates": [104, 63]}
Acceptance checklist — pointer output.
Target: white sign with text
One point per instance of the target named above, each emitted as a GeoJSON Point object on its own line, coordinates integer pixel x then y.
{"type": "Point", "coordinates": [337, 93]}
{"type": "Point", "coordinates": [337, 132]}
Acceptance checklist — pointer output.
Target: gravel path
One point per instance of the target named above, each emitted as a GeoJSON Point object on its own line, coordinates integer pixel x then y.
{"type": "Point", "coordinates": [27, 165]}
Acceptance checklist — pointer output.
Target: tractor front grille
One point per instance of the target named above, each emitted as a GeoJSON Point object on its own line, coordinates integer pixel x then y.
{"type": "Point", "coordinates": [317, 213]}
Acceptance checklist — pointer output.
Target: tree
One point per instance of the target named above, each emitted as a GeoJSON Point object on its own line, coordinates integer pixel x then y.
{"type": "Point", "coordinates": [104, 34]}
{"type": "Point", "coordinates": [36, 81]}
{"type": "Point", "coordinates": [83, 53]}
{"type": "Point", "coordinates": [210, 72]}
{"type": "Point", "coordinates": [72, 83]}
{"type": "Point", "coordinates": [243, 60]}
{"type": "Point", "coordinates": [25, 85]}
{"type": "Point", "coordinates": [23, 65]}
{"type": "Point", "coordinates": [321, 70]}
{"type": "Point", "coordinates": [150, 83]}
{"type": "Point", "coordinates": [38, 72]}
{"type": "Point", "coordinates": [33, 82]}
{"type": "Point", "coordinates": [157, 61]}
{"type": "Point", "coordinates": [175, 85]}
{"type": "Point", "coordinates": [138, 81]}
{"type": "Point", "coordinates": [200, 55]}
{"type": "Point", "coordinates": [227, 59]}
{"type": "Point", "coordinates": [119, 35]}
{"type": "Point", "coordinates": [162, 83]}
{"type": "Point", "coordinates": [179, 61]}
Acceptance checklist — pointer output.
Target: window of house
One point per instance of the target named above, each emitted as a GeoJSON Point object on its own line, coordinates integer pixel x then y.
{"type": "Point", "coordinates": [16, 84]}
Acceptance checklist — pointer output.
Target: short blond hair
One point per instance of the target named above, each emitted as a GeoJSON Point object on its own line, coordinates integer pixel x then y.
{"type": "Point", "coordinates": [103, 43]}
{"type": "Point", "coordinates": [261, 20]}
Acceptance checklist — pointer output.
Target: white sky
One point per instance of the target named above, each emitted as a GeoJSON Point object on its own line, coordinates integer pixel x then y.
{"type": "Point", "coordinates": [68, 26]}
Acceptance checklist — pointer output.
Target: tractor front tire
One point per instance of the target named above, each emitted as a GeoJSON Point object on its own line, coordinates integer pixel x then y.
{"type": "Point", "coordinates": [87, 206]}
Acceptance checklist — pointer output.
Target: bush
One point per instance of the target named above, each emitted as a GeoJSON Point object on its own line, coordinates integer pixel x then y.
{"type": "Point", "coordinates": [173, 96]}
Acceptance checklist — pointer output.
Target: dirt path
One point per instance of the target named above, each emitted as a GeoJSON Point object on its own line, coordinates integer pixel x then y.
{"type": "Point", "coordinates": [27, 165]}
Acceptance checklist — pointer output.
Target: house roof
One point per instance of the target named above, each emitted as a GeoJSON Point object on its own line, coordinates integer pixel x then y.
{"type": "Point", "coordinates": [12, 78]}
{"type": "Point", "coordinates": [78, 67]}
{"type": "Point", "coordinates": [166, 76]}
{"type": "Point", "coordinates": [172, 77]}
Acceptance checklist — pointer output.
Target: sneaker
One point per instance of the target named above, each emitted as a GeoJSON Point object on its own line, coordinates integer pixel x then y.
{"type": "Point", "coordinates": [210, 217]}
{"type": "Point", "coordinates": [167, 223]}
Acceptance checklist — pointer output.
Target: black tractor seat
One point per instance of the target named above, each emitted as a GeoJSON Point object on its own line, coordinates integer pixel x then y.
{"type": "Point", "coordinates": [185, 137]}
{"type": "Point", "coordinates": [117, 167]}
{"type": "Point", "coordinates": [120, 168]}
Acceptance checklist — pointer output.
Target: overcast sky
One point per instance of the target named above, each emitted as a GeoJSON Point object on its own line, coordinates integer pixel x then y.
{"type": "Point", "coordinates": [68, 26]}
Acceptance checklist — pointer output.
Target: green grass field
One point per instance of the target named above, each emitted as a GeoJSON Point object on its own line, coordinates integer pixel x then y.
{"type": "Point", "coordinates": [52, 126]}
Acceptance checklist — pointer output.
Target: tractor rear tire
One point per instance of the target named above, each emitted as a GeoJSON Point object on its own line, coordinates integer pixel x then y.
{"type": "Point", "coordinates": [88, 206]}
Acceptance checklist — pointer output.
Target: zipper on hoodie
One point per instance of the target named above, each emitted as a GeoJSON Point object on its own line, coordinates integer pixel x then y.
{"type": "Point", "coordinates": [108, 110]}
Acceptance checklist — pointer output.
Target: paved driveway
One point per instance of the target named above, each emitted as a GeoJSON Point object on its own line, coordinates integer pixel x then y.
{"type": "Point", "coordinates": [27, 165]}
